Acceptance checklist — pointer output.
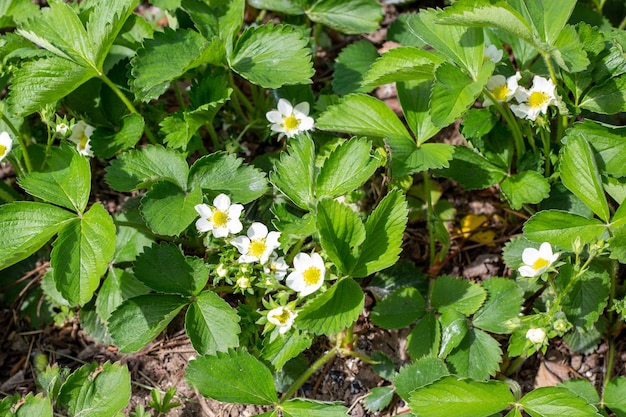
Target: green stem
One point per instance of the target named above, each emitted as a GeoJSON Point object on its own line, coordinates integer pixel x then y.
{"type": "Point", "coordinates": [546, 58]}
{"type": "Point", "coordinates": [294, 251]}
{"type": "Point", "coordinates": [305, 376]}
{"type": "Point", "coordinates": [5, 194]}
{"type": "Point", "coordinates": [179, 96]}
{"type": "Point", "coordinates": [611, 353]}
{"type": "Point", "coordinates": [518, 138]}
{"type": "Point", "coordinates": [429, 213]}
{"type": "Point", "coordinates": [20, 140]}
{"type": "Point", "coordinates": [545, 139]}
{"type": "Point", "coordinates": [214, 138]}
{"type": "Point", "coordinates": [128, 104]}
{"type": "Point", "coordinates": [240, 97]}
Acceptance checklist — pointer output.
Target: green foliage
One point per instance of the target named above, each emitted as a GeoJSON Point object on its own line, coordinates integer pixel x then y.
{"type": "Point", "coordinates": [212, 324]}
{"type": "Point", "coordinates": [399, 309]}
{"type": "Point", "coordinates": [352, 64]}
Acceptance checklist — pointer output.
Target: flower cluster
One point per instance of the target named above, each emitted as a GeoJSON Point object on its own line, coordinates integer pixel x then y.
{"type": "Point", "coordinates": [259, 247]}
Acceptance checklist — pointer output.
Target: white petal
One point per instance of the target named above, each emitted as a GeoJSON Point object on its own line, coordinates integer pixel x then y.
{"type": "Point", "coordinates": [234, 226]}
{"type": "Point", "coordinates": [221, 202]}
{"type": "Point", "coordinates": [242, 244]}
{"type": "Point", "coordinates": [302, 108]}
{"type": "Point", "coordinates": [278, 128]}
{"type": "Point", "coordinates": [285, 107]}
{"type": "Point", "coordinates": [203, 225]}
{"type": "Point", "coordinates": [520, 110]}
{"type": "Point", "coordinates": [530, 256]}
{"type": "Point", "coordinates": [274, 116]}
{"type": "Point", "coordinates": [7, 143]}
{"type": "Point", "coordinates": [527, 271]}
{"type": "Point", "coordinates": [306, 123]}
{"type": "Point", "coordinates": [318, 262]}
{"type": "Point", "coordinates": [301, 261]}
{"type": "Point", "coordinates": [295, 281]}
{"type": "Point", "coordinates": [495, 81]}
{"type": "Point", "coordinates": [234, 211]}
{"type": "Point", "coordinates": [545, 250]}
{"type": "Point", "coordinates": [246, 259]}
{"type": "Point", "coordinates": [204, 210]}
{"type": "Point", "coordinates": [220, 232]}
{"type": "Point", "coordinates": [271, 241]}
{"type": "Point", "coordinates": [310, 289]}
{"type": "Point", "coordinates": [257, 231]}
{"type": "Point", "coordinates": [543, 84]}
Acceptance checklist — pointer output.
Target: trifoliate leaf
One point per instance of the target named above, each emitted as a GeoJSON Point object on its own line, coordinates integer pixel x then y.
{"type": "Point", "coordinates": [334, 310]}
{"type": "Point", "coordinates": [164, 268]}
{"type": "Point", "coordinates": [422, 372]}
{"type": "Point", "coordinates": [221, 172]}
{"type": "Point", "coordinates": [555, 402]}
{"type": "Point", "coordinates": [526, 187]}
{"type": "Point", "coordinates": [272, 56]}
{"type": "Point", "coordinates": [351, 65]}
{"type": "Point", "coordinates": [414, 97]}
{"type": "Point", "coordinates": [234, 377]}
{"type": "Point", "coordinates": [402, 64]}
{"type": "Point", "coordinates": [27, 226]}
{"type": "Point", "coordinates": [460, 398]}
{"type": "Point", "coordinates": [347, 16]}
{"type": "Point", "coordinates": [212, 324]}
{"type": "Point", "coordinates": [399, 309]}
{"type": "Point", "coordinates": [500, 311]}
{"type": "Point", "coordinates": [141, 168]}
{"type": "Point", "coordinates": [81, 254]}
{"type": "Point", "coordinates": [561, 228]}
{"type": "Point", "coordinates": [348, 167]}
{"type": "Point", "coordinates": [478, 356]}
{"type": "Point", "coordinates": [168, 210]}
{"type": "Point", "coordinates": [294, 172]}
{"type": "Point", "coordinates": [139, 320]}
{"type": "Point", "coordinates": [458, 294]}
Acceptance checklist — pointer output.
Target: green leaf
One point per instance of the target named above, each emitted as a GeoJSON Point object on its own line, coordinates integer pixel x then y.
{"type": "Point", "coordinates": [586, 297]}
{"type": "Point", "coordinates": [43, 81]}
{"type": "Point", "coordinates": [292, 7]}
{"type": "Point", "coordinates": [454, 327]}
{"type": "Point", "coordinates": [107, 143]}
{"type": "Point", "coordinates": [221, 172]}
{"type": "Point", "coordinates": [178, 128]}
{"type": "Point", "coordinates": [547, 18]}
{"type": "Point", "coordinates": [462, 45]}
{"type": "Point", "coordinates": [351, 65]}
{"type": "Point", "coordinates": [477, 356]}
{"type": "Point", "coordinates": [164, 268]}
{"type": "Point", "coordinates": [131, 239]}
{"type": "Point", "coordinates": [463, 296]}
{"type": "Point", "coordinates": [105, 23]}
{"type": "Point", "coordinates": [607, 98]}
{"type": "Point", "coordinates": [66, 181]}
{"type": "Point", "coordinates": [500, 311]}
{"type": "Point", "coordinates": [98, 391]}
{"type": "Point", "coordinates": [460, 398]}
{"type": "Point", "coordinates": [140, 168]}
{"type": "Point", "coordinates": [422, 372]}
{"type": "Point", "coordinates": [216, 19]}
{"type": "Point", "coordinates": [117, 287]}
{"type": "Point", "coordinates": [139, 320]}
{"type": "Point", "coordinates": [294, 172]}
{"type": "Point", "coordinates": [407, 158]}
{"type": "Point", "coordinates": [579, 173]}
{"type": "Point", "coordinates": [586, 340]}
{"type": "Point", "coordinates": [582, 388]}
{"type": "Point", "coordinates": [169, 56]}
{"type": "Point", "coordinates": [334, 310]}
{"type": "Point", "coordinates": [168, 210]}
{"type": "Point", "coordinates": [614, 394]}
{"type": "Point", "coordinates": [351, 17]}
{"type": "Point", "coordinates": [272, 56]}
{"type": "Point", "coordinates": [561, 228]}
{"type": "Point", "coordinates": [81, 254]}
{"type": "Point", "coordinates": [27, 226]}
{"type": "Point", "coordinates": [212, 324]}
{"type": "Point", "coordinates": [234, 377]}
{"type": "Point", "coordinates": [341, 232]}
{"type": "Point", "coordinates": [310, 408]}
{"type": "Point", "coordinates": [399, 309]}
{"type": "Point", "coordinates": [414, 97]}
{"type": "Point", "coordinates": [556, 402]}
{"type": "Point", "coordinates": [569, 53]}
{"type": "Point", "coordinates": [477, 123]}
{"type": "Point", "coordinates": [526, 187]}
{"type": "Point", "coordinates": [378, 398]}
{"type": "Point", "coordinates": [384, 229]}
{"type": "Point", "coordinates": [31, 405]}
{"type": "Point", "coordinates": [464, 160]}
{"type": "Point", "coordinates": [480, 13]}
{"type": "Point", "coordinates": [348, 167]}
{"type": "Point", "coordinates": [454, 92]}
{"type": "Point", "coordinates": [608, 143]}
{"type": "Point", "coordinates": [617, 244]}
{"type": "Point", "coordinates": [282, 349]}
{"type": "Point", "coordinates": [362, 115]}
{"type": "Point", "coordinates": [425, 337]}
{"type": "Point", "coordinates": [405, 63]}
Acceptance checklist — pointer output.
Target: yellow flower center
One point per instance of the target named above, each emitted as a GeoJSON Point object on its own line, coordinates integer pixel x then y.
{"type": "Point", "coordinates": [257, 247]}
{"type": "Point", "coordinates": [312, 275]}
{"type": "Point", "coordinates": [537, 99]}
{"type": "Point", "coordinates": [3, 150]}
{"type": "Point", "coordinates": [82, 143]}
{"type": "Point", "coordinates": [282, 317]}
{"type": "Point", "coordinates": [500, 92]}
{"type": "Point", "coordinates": [291, 122]}
{"type": "Point", "coordinates": [540, 263]}
{"type": "Point", "coordinates": [219, 218]}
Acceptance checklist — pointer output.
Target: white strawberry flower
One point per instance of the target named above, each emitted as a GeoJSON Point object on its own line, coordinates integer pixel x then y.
{"type": "Point", "coordinates": [493, 54]}
{"type": "Point", "coordinates": [276, 266]}
{"type": "Point", "coordinates": [502, 89]}
{"type": "Point", "coordinates": [536, 100]}
{"type": "Point", "coordinates": [221, 219]}
{"type": "Point", "coordinates": [6, 143]}
{"type": "Point", "coordinates": [536, 336]}
{"type": "Point", "coordinates": [258, 245]}
{"type": "Point", "coordinates": [81, 136]}
{"type": "Point", "coordinates": [282, 317]}
{"type": "Point", "coordinates": [309, 274]}
{"type": "Point", "coordinates": [536, 262]}
{"type": "Point", "coordinates": [290, 120]}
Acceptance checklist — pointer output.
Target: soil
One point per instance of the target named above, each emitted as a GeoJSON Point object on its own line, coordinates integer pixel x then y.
{"type": "Point", "coordinates": [162, 364]}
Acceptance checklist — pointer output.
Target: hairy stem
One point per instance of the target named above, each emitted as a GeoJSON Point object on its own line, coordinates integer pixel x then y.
{"type": "Point", "coordinates": [305, 376]}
